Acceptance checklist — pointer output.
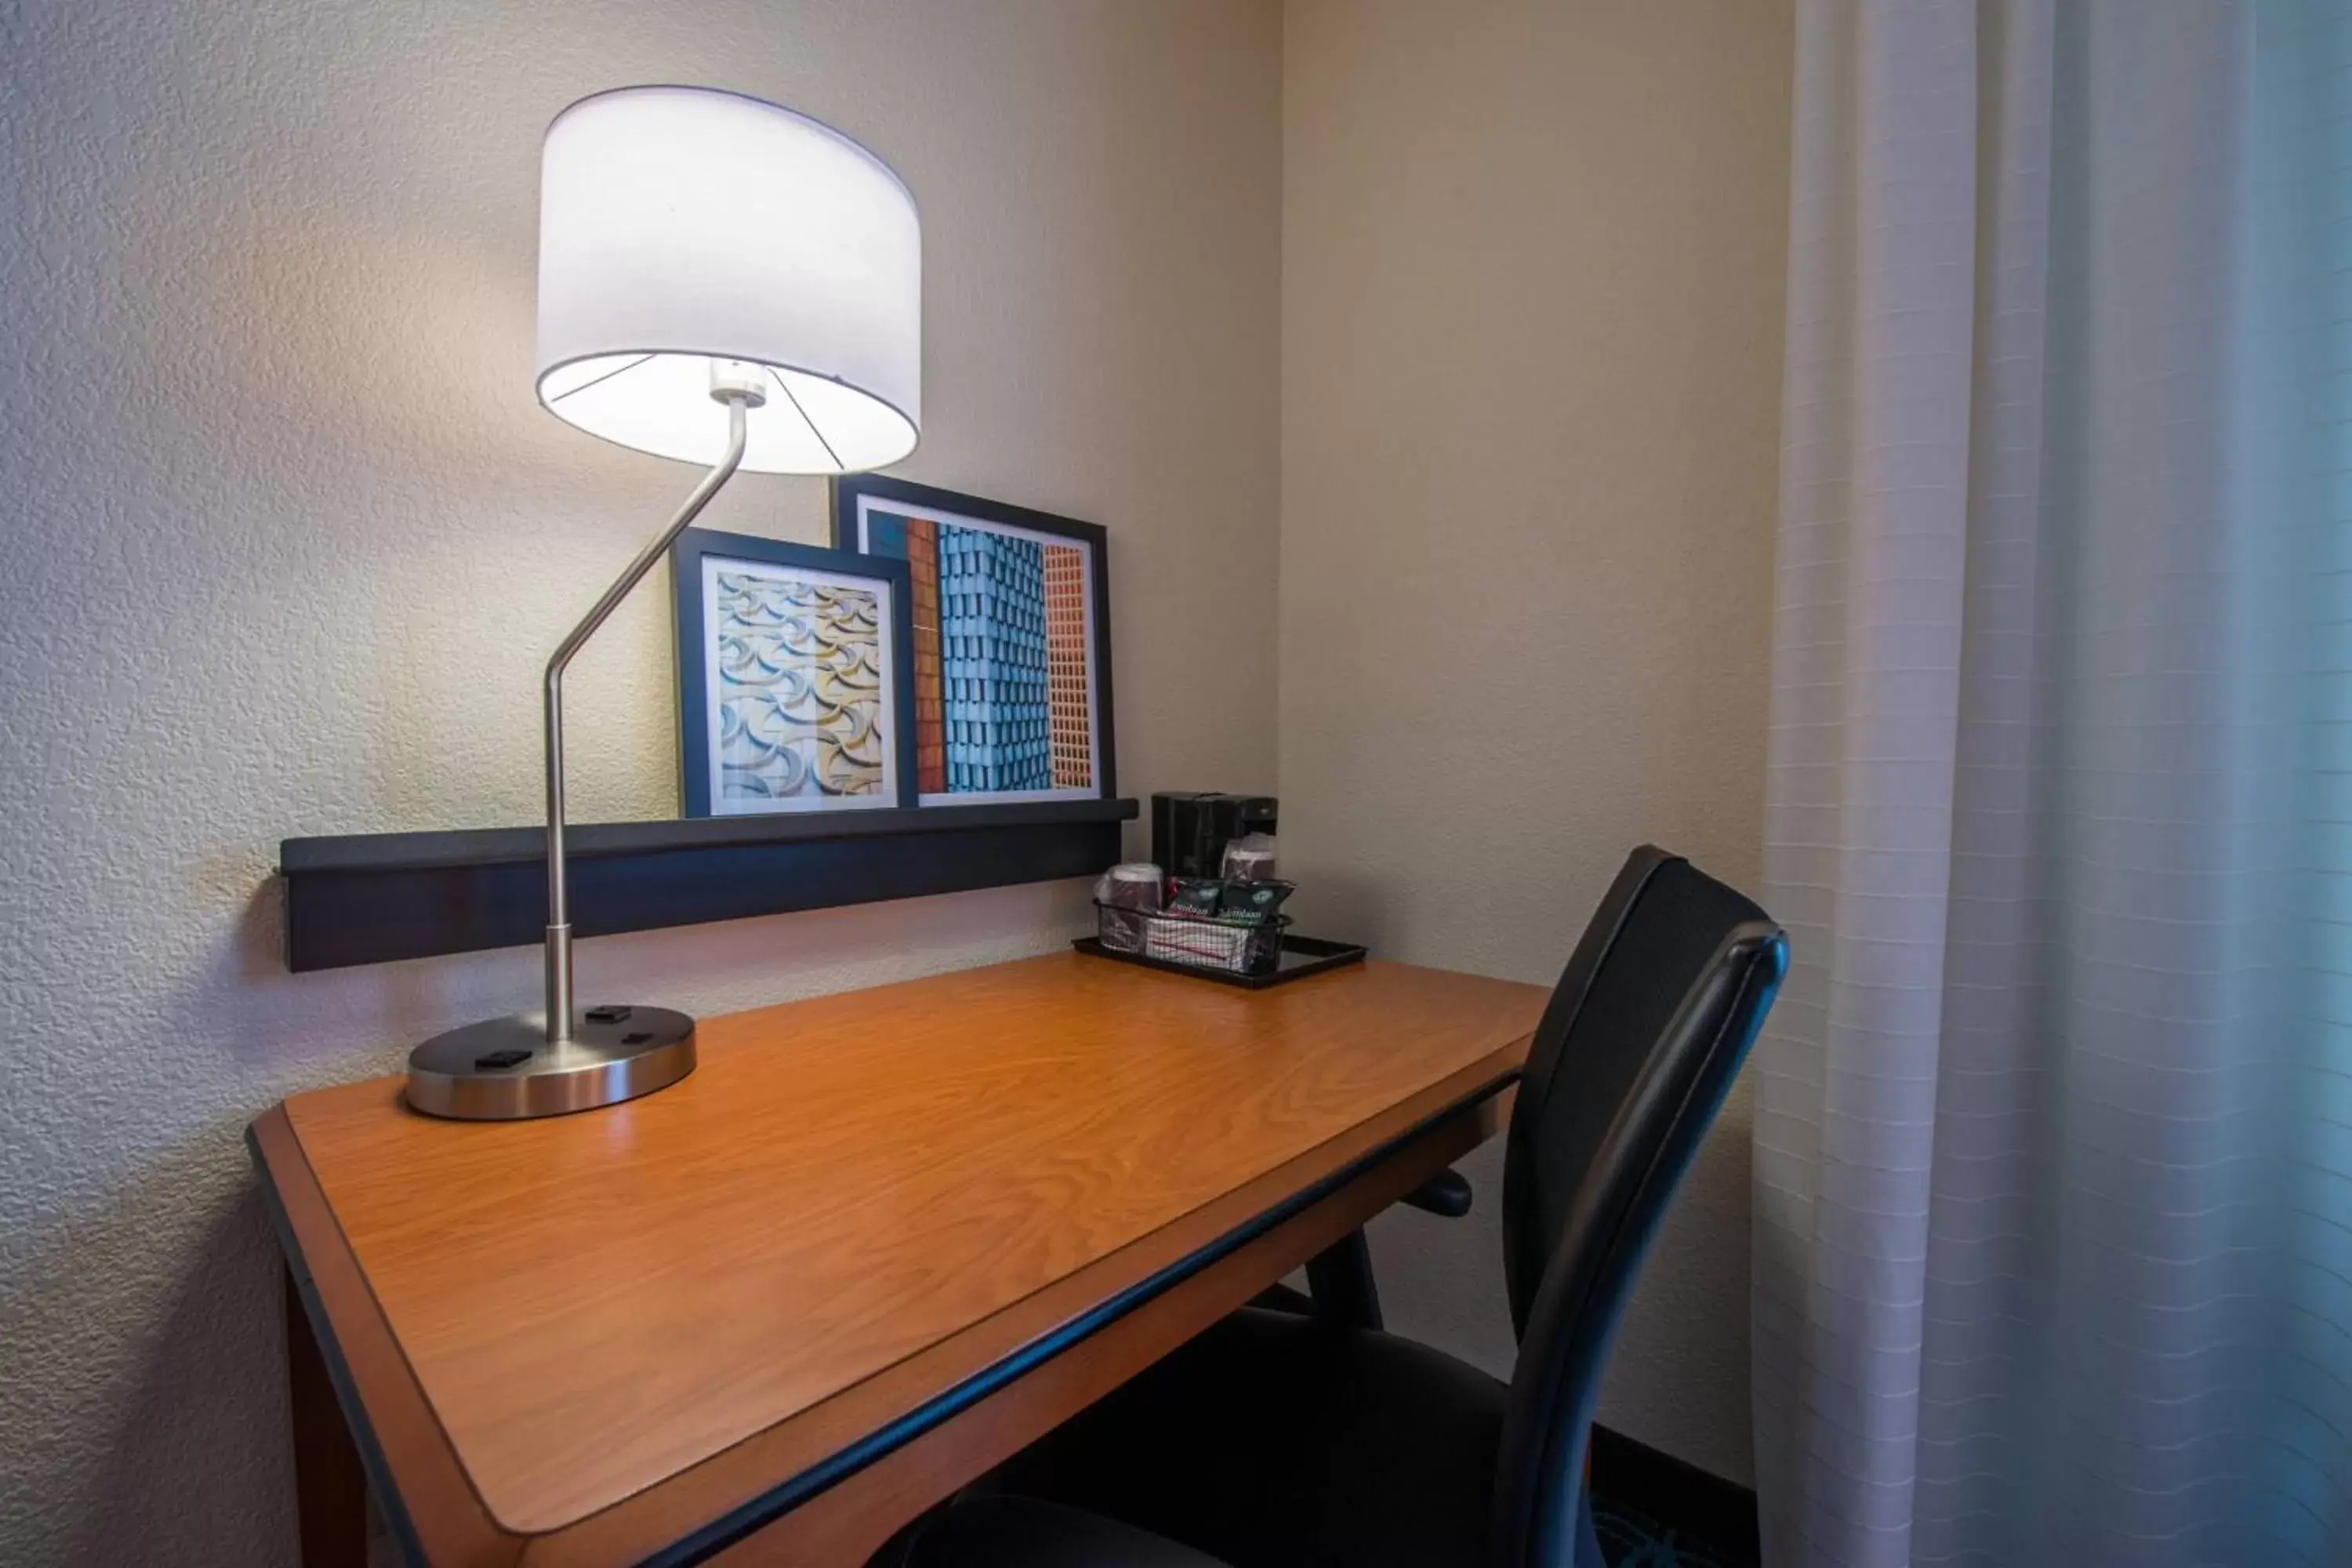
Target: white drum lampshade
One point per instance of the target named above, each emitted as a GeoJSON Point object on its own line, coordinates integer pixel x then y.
{"type": "Point", "coordinates": [678, 225]}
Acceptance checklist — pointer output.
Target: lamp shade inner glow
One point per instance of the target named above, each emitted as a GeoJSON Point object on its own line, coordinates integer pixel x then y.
{"type": "Point", "coordinates": [680, 225]}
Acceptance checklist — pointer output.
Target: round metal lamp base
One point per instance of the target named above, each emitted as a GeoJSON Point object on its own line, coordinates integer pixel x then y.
{"type": "Point", "coordinates": [503, 1069]}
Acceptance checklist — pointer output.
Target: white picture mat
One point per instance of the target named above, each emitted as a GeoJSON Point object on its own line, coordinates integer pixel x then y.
{"type": "Point", "coordinates": [1093, 791]}
{"type": "Point", "coordinates": [885, 726]}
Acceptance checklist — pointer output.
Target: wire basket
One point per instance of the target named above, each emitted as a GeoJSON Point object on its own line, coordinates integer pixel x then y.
{"type": "Point", "coordinates": [1202, 941]}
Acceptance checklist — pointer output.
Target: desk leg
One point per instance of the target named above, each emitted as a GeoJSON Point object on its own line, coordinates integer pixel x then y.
{"type": "Point", "coordinates": [329, 1486]}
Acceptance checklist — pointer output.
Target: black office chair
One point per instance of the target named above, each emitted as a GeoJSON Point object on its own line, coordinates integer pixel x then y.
{"type": "Point", "coordinates": [1275, 1440]}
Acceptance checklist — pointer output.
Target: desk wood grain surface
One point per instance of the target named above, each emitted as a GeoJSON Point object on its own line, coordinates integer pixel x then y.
{"type": "Point", "coordinates": [591, 1305]}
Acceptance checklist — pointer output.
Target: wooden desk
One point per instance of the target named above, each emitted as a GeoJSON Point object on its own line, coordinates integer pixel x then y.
{"type": "Point", "coordinates": [875, 1244]}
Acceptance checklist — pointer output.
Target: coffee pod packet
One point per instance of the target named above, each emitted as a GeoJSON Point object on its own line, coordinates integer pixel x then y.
{"type": "Point", "coordinates": [1259, 900]}
{"type": "Point", "coordinates": [1197, 896]}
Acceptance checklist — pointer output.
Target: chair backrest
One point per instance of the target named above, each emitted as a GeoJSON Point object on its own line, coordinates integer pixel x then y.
{"type": "Point", "coordinates": [1648, 1029]}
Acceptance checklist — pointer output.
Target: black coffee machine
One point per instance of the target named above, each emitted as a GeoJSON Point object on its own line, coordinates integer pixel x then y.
{"type": "Point", "coordinates": [1189, 831]}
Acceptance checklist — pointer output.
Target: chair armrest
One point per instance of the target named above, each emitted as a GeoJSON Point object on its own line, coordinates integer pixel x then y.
{"type": "Point", "coordinates": [1446, 1193]}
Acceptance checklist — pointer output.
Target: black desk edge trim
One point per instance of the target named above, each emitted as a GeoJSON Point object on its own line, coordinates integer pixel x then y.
{"type": "Point", "coordinates": [781, 1498]}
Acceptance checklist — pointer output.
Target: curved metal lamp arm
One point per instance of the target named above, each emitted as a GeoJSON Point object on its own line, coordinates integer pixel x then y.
{"type": "Point", "coordinates": [559, 904]}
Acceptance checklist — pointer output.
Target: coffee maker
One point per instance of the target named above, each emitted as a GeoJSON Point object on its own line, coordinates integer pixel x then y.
{"type": "Point", "coordinates": [1189, 831]}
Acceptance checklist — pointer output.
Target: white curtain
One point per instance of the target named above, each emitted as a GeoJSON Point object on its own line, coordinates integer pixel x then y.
{"type": "Point", "coordinates": [2053, 1145]}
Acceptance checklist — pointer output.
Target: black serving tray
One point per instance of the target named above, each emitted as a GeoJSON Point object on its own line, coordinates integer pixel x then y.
{"type": "Point", "coordinates": [1301, 956]}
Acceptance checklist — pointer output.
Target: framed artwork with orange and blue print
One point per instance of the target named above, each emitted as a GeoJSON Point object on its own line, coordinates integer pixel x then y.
{"type": "Point", "coordinates": [1009, 636]}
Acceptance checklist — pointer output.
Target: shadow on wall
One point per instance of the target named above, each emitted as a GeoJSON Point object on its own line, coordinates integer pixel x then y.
{"type": "Point", "coordinates": [252, 998]}
{"type": "Point", "coordinates": [247, 981]}
{"type": "Point", "coordinates": [1341, 905]}
{"type": "Point", "coordinates": [167, 1298]}
{"type": "Point", "coordinates": [154, 1295]}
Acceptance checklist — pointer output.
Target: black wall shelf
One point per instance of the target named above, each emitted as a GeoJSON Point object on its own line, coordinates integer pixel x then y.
{"type": "Point", "coordinates": [376, 897]}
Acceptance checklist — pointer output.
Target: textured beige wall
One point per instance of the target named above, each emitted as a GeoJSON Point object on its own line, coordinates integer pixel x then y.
{"type": "Point", "coordinates": [284, 538]}
{"type": "Point", "coordinates": [1532, 266]}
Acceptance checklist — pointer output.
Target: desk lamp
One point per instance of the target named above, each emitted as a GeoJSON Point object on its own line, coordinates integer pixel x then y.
{"type": "Point", "coordinates": [728, 284]}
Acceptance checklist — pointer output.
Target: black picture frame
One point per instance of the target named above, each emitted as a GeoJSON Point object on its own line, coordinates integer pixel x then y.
{"type": "Point", "coordinates": [847, 493]}
{"type": "Point", "coordinates": [687, 558]}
